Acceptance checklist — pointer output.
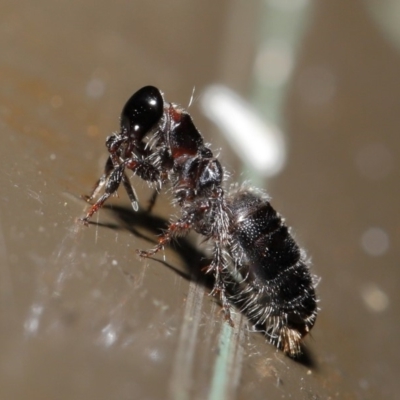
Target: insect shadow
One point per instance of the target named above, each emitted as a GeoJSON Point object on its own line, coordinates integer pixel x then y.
{"type": "Point", "coordinates": [194, 260]}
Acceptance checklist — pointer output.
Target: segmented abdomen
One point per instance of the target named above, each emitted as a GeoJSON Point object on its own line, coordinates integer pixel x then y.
{"type": "Point", "coordinates": [278, 289]}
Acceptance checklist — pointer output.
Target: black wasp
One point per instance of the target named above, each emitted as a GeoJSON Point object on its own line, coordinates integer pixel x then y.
{"type": "Point", "coordinates": [159, 143]}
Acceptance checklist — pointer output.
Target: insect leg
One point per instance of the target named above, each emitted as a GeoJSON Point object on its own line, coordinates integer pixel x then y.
{"type": "Point", "coordinates": [108, 167]}
{"type": "Point", "coordinates": [143, 169]}
{"type": "Point", "coordinates": [131, 192]}
{"type": "Point", "coordinates": [219, 267]}
{"type": "Point", "coordinates": [152, 201]}
{"type": "Point", "coordinates": [112, 185]}
{"type": "Point", "coordinates": [178, 228]}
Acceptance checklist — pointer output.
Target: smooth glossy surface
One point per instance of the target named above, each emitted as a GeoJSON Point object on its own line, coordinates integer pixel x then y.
{"type": "Point", "coordinates": [141, 112]}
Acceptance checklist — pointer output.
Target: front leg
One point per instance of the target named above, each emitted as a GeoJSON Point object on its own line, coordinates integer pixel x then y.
{"type": "Point", "coordinates": [113, 175]}
{"type": "Point", "coordinates": [100, 183]}
{"type": "Point", "coordinates": [112, 185]}
{"type": "Point", "coordinates": [130, 192]}
{"type": "Point", "coordinates": [144, 170]}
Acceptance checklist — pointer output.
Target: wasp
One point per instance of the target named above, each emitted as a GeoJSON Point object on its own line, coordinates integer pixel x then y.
{"type": "Point", "coordinates": [253, 248]}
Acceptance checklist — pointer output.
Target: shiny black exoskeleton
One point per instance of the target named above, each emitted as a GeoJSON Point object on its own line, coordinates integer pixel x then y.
{"type": "Point", "coordinates": [278, 292]}
{"type": "Point", "coordinates": [253, 248]}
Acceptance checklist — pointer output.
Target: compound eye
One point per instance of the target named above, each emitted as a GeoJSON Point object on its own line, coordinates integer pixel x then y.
{"type": "Point", "coordinates": [141, 112]}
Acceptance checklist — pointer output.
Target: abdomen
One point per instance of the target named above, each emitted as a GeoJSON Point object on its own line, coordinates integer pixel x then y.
{"type": "Point", "coordinates": [277, 291]}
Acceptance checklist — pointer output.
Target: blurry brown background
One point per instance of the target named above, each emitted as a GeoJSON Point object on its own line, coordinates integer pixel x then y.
{"type": "Point", "coordinates": [80, 316]}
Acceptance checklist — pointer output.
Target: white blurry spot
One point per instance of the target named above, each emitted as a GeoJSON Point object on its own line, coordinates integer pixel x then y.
{"type": "Point", "coordinates": [374, 298]}
{"type": "Point", "coordinates": [374, 161]}
{"type": "Point", "coordinates": [161, 305]}
{"type": "Point", "coordinates": [288, 5]}
{"type": "Point", "coordinates": [31, 324]}
{"type": "Point", "coordinates": [114, 262]}
{"type": "Point", "coordinates": [259, 144]}
{"type": "Point", "coordinates": [375, 241]}
{"type": "Point", "coordinates": [274, 63]}
{"type": "Point", "coordinates": [56, 101]}
{"type": "Point", "coordinates": [317, 85]}
{"type": "Point", "coordinates": [108, 335]}
{"type": "Point", "coordinates": [95, 88]}
{"type": "Point", "coordinates": [154, 355]}
{"type": "Point", "coordinates": [52, 156]}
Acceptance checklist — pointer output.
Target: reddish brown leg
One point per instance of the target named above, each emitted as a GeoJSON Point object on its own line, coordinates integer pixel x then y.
{"type": "Point", "coordinates": [100, 183]}
{"type": "Point", "coordinates": [112, 178]}
{"type": "Point", "coordinates": [112, 185]}
{"type": "Point", "coordinates": [178, 228]}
